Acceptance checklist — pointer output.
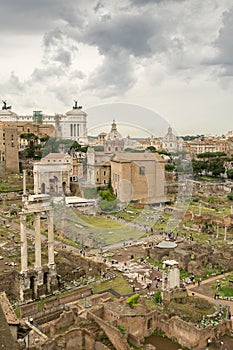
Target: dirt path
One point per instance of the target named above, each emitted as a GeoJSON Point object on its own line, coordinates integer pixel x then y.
{"type": "Point", "coordinates": [204, 291]}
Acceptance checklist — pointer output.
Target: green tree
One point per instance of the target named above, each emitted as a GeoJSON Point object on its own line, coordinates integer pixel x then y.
{"type": "Point", "coordinates": [230, 173]}
{"type": "Point", "coordinates": [230, 196]}
{"type": "Point", "coordinates": [169, 167]}
{"type": "Point", "coordinates": [151, 148]}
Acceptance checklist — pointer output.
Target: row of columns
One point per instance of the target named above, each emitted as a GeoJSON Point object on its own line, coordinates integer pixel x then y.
{"type": "Point", "coordinates": [23, 237]}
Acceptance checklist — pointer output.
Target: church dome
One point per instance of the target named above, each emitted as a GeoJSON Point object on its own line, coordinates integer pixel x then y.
{"type": "Point", "coordinates": [169, 137]}
{"type": "Point", "coordinates": [114, 133]}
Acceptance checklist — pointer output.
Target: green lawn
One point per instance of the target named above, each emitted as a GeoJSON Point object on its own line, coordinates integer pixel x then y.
{"type": "Point", "coordinates": [225, 290]}
{"type": "Point", "coordinates": [119, 284]}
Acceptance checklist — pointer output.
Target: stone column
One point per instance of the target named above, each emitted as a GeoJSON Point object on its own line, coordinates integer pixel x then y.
{"type": "Point", "coordinates": [225, 234]}
{"type": "Point", "coordinates": [36, 182]}
{"type": "Point", "coordinates": [23, 241]}
{"type": "Point", "coordinates": [50, 238]}
{"type": "Point", "coordinates": [24, 183]}
{"type": "Point", "coordinates": [37, 242]}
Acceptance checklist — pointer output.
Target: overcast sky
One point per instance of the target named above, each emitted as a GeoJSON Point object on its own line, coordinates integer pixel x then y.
{"type": "Point", "coordinates": [173, 57]}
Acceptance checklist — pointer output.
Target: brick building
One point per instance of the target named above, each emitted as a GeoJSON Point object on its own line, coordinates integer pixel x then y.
{"type": "Point", "coordinates": [9, 158]}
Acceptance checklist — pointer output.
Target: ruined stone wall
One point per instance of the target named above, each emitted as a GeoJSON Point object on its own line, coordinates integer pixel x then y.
{"type": "Point", "coordinates": [114, 335]}
{"type": "Point", "coordinates": [67, 298]}
{"type": "Point", "coordinates": [139, 326]}
{"type": "Point", "coordinates": [210, 188]}
{"type": "Point", "coordinates": [9, 283]}
{"type": "Point", "coordinates": [97, 298]}
{"type": "Point", "coordinates": [185, 333]}
{"type": "Point", "coordinates": [28, 309]}
{"type": "Point", "coordinates": [75, 339]}
{"type": "Point", "coordinates": [66, 319]}
{"type": "Point", "coordinates": [225, 327]}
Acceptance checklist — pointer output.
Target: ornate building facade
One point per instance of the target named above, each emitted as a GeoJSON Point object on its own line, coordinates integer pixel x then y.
{"type": "Point", "coordinates": [71, 125]}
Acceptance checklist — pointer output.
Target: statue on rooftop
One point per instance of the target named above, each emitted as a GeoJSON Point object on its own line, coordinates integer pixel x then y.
{"type": "Point", "coordinates": [5, 107]}
{"type": "Point", "coordinates": [76, 105]}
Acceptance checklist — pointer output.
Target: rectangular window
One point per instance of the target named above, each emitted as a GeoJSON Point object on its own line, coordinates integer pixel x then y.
{"type": "Point", "coordinates": [77, 128]}
{"type": "Point", "coordinates": [142, 170]}
{"type": "Point", "coordinates": [71, 129]}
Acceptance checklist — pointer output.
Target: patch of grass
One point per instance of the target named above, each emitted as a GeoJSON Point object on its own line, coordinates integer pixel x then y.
{"type": "Point", "coordinates": [122, 234]}
{"type": "Point", "coordinates": [154, 263]}
{"type": "Point", "coordinates": [151, 304]}
{"type": "Point", "coordinates": [119, 284]}
{"type": "Point", "coordinates": [41, 305]}
{"type": "Point", "coordinates": [227, 291]}
{"type": "Point", "coordinates": [17, 312]}
{"type": "Point", "coordinates": [67, 241]}
{"type": "Point", "coordinates": [98, 221]}
{"type": "Point", "coordinates": [184, 274]}
{"type": "Point", "coordinates": [121, 329]}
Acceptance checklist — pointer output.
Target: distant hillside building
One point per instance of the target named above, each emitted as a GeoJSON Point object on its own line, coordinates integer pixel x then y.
{"type": "Point", "coordinates": [169, 142]}
{"type": "Point", "coordinates": [209, 144]}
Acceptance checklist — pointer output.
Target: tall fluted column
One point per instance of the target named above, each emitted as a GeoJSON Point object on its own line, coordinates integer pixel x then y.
{"type": "Point", "coordinates": [23, 241]}
{"type": "Point", "coordinates": [24, 183]}
{"type": "Point", "coordinates": [50, 238]}
{"type": "Point", "coordinates": [37, 242]}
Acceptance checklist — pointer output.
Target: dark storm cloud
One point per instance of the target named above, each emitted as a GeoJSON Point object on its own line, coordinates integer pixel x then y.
{"type": "Point", "coordinates": [58, 47]}
{"type": "Point", "coordinates": [13, 86]}
{"type": "Point", "coordinates": [31, 16]}
{"type": "Point", "coordinates": [63, 56]}
{"type": "Point", "coordinates": [125, 32]}
{"type": "Point", "coordinates": [99, 5]}
{"type": "Point", "coordinates": [52, 37]}
{"type": "Point", "coordinates": [114, 76]}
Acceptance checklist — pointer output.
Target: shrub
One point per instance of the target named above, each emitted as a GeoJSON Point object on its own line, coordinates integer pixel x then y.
{"type": "Point", "coordinates": [158, 297]}
{"type": "Point", "coordinates": [230, 196]}
{"type": "Point", "coordinates": [133, 300]}
{"type": "Point", "coordinates": [121, 329]}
